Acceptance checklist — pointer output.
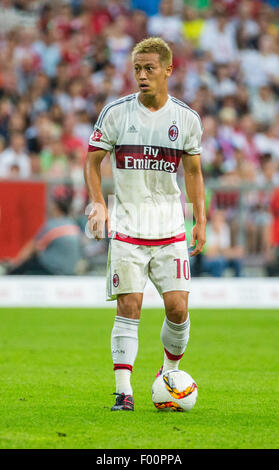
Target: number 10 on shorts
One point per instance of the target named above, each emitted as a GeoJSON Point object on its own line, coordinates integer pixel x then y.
{"type": "Point", "coordinates": [185, 268]}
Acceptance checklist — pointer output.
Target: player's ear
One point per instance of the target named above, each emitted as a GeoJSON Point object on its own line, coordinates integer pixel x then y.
{"type": "Point", "coordinates": [168, 70]}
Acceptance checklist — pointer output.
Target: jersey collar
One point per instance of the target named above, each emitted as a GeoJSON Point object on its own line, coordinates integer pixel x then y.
{"type": "Point", "coordinates": [147, 111]}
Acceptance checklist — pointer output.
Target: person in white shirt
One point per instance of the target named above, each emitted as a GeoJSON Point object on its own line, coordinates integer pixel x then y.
{"type": "Point", "coordinates": [267, 141]}
{"type": "Point", "coordinates": [218, 37]}
{"type": "Point", "coordinates": [15, 156]}
{"type": "Point", "coordinates": [119, 42]}
{"type": "Point", "coordinates": [219, 253]}
{"type": "Point", "coordinates": [147, 134]}
{"type": "Point", "coordinates": [166, 23]}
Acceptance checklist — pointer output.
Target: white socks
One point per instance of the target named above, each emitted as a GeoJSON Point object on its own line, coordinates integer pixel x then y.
{"type": "Point", "coordinates": [124, 348]}
{"type": "Point", "coordinates": [174, 337]}
{"type": "Point", "coordinates": [123, 381]}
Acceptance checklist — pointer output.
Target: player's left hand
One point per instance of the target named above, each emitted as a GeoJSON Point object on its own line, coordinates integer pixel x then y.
{"type": "Point", "coordinates": [198, 234]}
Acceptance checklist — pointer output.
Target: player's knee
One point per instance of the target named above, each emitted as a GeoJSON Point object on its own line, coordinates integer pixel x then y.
{"type": "Point", "coordinates": [177, 312]}
{"type": "Point", "coordinates": [176, 306]}
{"type": "Point", "coordinates": [128, 306]}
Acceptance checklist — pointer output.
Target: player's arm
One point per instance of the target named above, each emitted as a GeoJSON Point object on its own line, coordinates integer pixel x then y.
{"type": "Point", "coordinates": [195, 190]}
{"type": "Point", "coordinates": [92, 176]}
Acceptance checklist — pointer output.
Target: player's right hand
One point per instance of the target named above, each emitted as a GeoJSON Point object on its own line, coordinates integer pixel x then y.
{"type": "Point", "coordinates": [97, 219]}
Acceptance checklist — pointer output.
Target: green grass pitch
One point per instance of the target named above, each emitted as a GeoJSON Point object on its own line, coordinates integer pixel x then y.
{"type": "Point", "coordinates": [56, 382]}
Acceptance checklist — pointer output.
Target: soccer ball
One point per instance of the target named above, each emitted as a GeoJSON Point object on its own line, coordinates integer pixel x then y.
{"type": "Point", "coordinates": [174, 390]}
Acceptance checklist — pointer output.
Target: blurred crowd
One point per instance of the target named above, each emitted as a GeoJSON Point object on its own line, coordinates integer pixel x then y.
{"type": "Point", "coordinates": [62, 61]}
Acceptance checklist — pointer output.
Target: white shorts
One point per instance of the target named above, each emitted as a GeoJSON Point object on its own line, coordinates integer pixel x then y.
{"type": "Point", "coordinates": [129, 267]}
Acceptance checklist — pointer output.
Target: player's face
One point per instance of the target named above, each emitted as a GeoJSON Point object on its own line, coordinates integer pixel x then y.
{"type": "Point", "coordinates": [150, 74]}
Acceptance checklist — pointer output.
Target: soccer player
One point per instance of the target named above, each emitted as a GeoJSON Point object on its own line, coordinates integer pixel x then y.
{"type": "Point", "coordinates": [147, 134]}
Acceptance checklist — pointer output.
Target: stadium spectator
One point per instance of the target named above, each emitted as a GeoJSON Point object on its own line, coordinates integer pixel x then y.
{"type": "Point", "coordinates": [54, 162]}
{"type": "Point", "coordinates": [6, 112]}
{"type": "Point", "coordinates": [100, 17]}
{"type": "Point", "coordinates": [57, 248]}
{"type": "Point", "coordinates": [244, 138]}
{"type": "Point", "coordinates": [36, 165]}
{"type": "Point", "coordinates": [267, 141]}
{"type": "Point", "coordinates": [83, 127]}
{"type": "Point", "coordinates": [137, 27]}
{"type": "Point", "coordinates": [41, 95]}
{"type": "Point", "coordinates": [211, 145]}
{"type": "Point", "coordinates": [219, 253]}
{"type": "Point", "coordinates": [192, 25]}
{"type": "Point", "coordinates": [166, 24]}
{"type": "Point", "coordinates": [272, 257]}
{"type": "Point", "coordinates": [247, 28]}
{"type": "Point", "coordinates": [70, 140]}
{"type": "Point", "coordinates": [48, 49]}
{"type": "Point", "coordinates": [263, 106]}
{"type": "Point", "coordinates": [218, 37]}
{"type": "Point", "coordinates": [108, 74]}
{"type": "Point", "coordinates": [119, 42]}
{"type": "Point", "coordinates": [14, 160]}
{"type": "Point", "coordinates": [12, 17]}
{"type": "Point", "coordinates": [268, 173]}
{"type": "Point", "coordinates": [259, 217]}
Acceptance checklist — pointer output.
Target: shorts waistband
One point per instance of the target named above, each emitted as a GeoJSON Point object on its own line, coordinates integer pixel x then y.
{"type": "Point", "coordinates": [143, 241]}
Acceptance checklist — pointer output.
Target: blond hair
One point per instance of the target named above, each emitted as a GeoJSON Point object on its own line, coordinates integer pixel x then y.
{"type": "Point", "coordinates": [154, 45]}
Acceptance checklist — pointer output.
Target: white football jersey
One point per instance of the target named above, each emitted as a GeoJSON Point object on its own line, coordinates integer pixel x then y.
{"type": "Point", "coordinates": [146, 148]}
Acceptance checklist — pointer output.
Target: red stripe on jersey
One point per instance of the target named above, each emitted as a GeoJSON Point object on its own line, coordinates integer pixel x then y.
{"type": "Point", "coordinates": [173, 357]}
{"type": "Point", "coordinates": [145, 157]}
{"type": "Point", "coordinates": [123, 366]}
{"type": "Point", "coordinates": [142, 241]}
{"type": "Point", "coordinates": [91, 148]}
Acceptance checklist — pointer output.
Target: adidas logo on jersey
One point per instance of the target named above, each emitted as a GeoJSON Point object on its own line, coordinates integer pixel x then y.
{"type": "Point", "coordinates": [132, 129]}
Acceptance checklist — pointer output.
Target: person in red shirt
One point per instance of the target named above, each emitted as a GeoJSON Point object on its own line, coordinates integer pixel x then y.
{"type": "Point", "coordinates": [70, 141]}
{"type": "Point", "coordinates": [272, 266]}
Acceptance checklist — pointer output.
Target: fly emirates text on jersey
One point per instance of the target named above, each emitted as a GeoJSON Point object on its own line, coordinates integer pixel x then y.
{"type": "Point", "coordinates": [150, 158]}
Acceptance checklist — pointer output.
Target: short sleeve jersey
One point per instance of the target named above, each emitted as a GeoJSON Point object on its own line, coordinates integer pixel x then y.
{"type": "Point", "coordinates": [145, 149]}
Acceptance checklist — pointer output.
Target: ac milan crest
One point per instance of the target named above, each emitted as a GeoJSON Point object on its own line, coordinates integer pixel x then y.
{"type": "Point", "coordinates": [173, 132]}
{"type": "Point", "coordinates": [115, 280]}
{"type": "Point", "coordinates": [96, 136]}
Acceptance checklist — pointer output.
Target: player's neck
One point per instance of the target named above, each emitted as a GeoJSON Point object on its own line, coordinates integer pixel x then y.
{"type": "Point", "coordinates": [154, 102]}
